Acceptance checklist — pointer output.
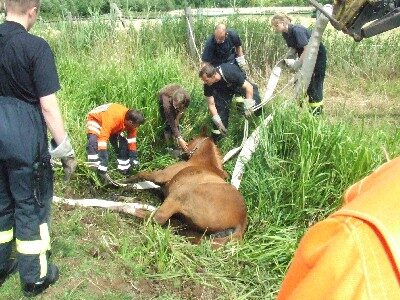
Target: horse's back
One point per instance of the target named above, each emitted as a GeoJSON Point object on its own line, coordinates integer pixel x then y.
{"type": "Point", "coordinates": [193, 175]}
{"type": "Point", "coordinates": [211, 205]}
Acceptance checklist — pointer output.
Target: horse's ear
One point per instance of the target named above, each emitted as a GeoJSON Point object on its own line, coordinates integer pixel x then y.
{"type": "Point", "coordinates": [203, 131]}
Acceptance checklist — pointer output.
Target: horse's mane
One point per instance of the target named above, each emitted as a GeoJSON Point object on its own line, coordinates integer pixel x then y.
{"type": "Point", "coordinates": [209, 150]}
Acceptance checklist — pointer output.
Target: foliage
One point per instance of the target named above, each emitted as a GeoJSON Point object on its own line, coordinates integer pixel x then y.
{"type": "Point", "coordinates": [56, 8]}
{"type": "Point", "coordinates": [295, 178]}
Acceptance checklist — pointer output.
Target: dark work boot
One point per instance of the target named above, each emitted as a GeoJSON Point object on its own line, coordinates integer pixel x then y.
{"type": "Point", "coordinates": [33, 289]}
{"type": "Point", "coordinates": [317, 111]}
{"type": "Point", "coordinates": [9, 270]}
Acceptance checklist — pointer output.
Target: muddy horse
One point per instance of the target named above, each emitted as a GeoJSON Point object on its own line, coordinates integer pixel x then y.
{"type": "Point", "coordinates": [196, 192]}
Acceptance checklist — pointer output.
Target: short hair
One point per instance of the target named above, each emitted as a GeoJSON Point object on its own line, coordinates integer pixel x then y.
{"type": "Point", "coordinates": [208, 70]}
{"type": "Point", "coordinates": [134, 116]}
{"type": "Point", "coordinates": [180, 99]}
{"type": "Point", "coordinates": [219, 27]}
{"type": "Point", "coordinates": [281, 17]}
{"type": "Point", "coordinates": [20, 6]}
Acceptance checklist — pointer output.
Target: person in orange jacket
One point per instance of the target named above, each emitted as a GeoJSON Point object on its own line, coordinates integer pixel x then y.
{"type": "Point", "coordinates": [115, 123]}
{"type": "Point", "coordinates": [355, 252]}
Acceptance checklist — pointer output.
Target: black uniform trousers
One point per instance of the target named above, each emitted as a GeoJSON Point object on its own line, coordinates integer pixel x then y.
{"type": "Point", "coordinates": [26, 188]}
{"type": "Point", "coordinates": [315, 89]}
{"type": "Point", "coordinates": [99, 158]}
{"type": "Point", "coordinates": [223, 100]}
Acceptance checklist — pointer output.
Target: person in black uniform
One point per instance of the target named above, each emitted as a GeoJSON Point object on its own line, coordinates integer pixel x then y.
{"type": "Point", "coordinates": [28, 105]}
{"type": "Point", "coordinates": [224, 46]}
{"type": "Point", "coordinates": [220, 85]}
{"type": "Point", "coordinates": [297, 37]}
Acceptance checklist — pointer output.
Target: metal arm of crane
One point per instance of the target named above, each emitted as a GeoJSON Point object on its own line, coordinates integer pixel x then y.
{"type": "Point", "coordinates": [363, 18]}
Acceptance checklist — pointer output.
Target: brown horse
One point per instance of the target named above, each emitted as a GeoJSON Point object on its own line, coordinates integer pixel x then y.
{"type": "Point", "coordinates": [196, 191]}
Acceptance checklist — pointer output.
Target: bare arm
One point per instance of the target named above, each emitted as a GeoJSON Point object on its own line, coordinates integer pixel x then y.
{"type": "Point", "coordinates": [249, 89]}
{"type": "Point", "coordinates": [52, 116]}
{"type": "Point", "coordinates": [211, 106]}
{"type": "Point", "coordinates": [302, 54]}
{"type": "Point", "coordinates": [239, 51]}
{"type": "Point", "coordinates": [178, 118]}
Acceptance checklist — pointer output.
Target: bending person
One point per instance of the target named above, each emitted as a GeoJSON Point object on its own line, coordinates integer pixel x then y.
{"type": "Point", "coordinates": [220, 85]}
{"type": "Point", "coordinates": [297, 37]}
{"type": "Point", "coordinates": [118, 125]}
{"type": "Point", "coordinates": [173, 101]}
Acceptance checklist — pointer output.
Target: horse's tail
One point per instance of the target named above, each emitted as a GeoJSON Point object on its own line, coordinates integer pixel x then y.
{"type": "Point", "coordinates": [239, 230]}
{"type": "Point", "coordinates": [237, 235]}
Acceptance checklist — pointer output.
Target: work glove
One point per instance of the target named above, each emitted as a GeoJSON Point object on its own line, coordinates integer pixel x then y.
{"type": "Point", "coordinates": [218, 122]}
{"type": "Point", "coordinates": [65, 152]}
{"type": "Point", "coordinates": [69, 165]}
{"type": "Point", "coordinates": [248, 105]}
{"type": "Point", "coordinates": [294, 64]}
{"type": "Point", "coordinates": [290, 53]}
{"type": "Point", "coordinates": [242, 63]}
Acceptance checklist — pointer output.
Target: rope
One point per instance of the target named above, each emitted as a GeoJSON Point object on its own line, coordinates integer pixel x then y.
{"type": "Point", "coordinates": [292, 81]}
{"type": "Point", "coordinates": [234, 151]}
{"type": "Point", "coordinates": [192, 38]}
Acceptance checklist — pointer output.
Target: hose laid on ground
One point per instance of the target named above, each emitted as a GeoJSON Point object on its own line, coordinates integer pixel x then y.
{"type": "Point", "coordinates": [135, 209]}
{"type": "Point", "coordinates": [231, 153]}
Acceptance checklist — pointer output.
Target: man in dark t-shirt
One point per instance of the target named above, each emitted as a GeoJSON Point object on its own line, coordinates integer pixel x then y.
{"type": "Point", "coordinates": [224, 46]}
{"type": "Point", "coordinates": [220, 85]}
{"type": "Point", "coordinates": [28, 106]}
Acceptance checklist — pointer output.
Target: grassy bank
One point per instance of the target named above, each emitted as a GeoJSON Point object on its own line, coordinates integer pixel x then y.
{"type": "Point", "coordinates": [295, 178]}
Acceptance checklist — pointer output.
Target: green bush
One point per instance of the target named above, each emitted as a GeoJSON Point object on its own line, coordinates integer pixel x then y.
{"type": "Point", "coordinates": [79, 8]}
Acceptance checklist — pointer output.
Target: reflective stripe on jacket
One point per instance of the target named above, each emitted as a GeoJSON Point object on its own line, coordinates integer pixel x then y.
{"type": "Point", "coordinates": [107, 120]}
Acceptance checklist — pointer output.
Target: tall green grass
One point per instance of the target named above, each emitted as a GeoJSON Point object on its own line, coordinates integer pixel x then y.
{"type": "Point", "coordinates": [57, 8]}
{"type": "Point", "coordinates": [296, 177]}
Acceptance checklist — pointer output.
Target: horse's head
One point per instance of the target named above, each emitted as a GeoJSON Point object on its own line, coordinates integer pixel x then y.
{"type": "Point", "coordinates": [196, 145]}
{"type": "Point", "coordinates": [202, 149]}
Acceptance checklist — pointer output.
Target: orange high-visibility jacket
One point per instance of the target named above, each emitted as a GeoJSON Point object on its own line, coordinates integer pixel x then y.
{"type": "Point", "coordinates": [107, 120]}
{"type": "Point", "coordinates": [355, 252]}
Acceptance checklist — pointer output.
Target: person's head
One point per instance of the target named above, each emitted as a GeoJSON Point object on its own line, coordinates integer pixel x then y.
{"type": "Point", "coordinates": [26, 10]}
{"type": "Point", "coordinates": [179, 100]}
{"type": "Point", "coordinates": [280, 22]}
{"type": "Point", "coordinates": [220, 33]}
{"type": "Point", "coordinates": [208, 74]}
{"type": "Point", "coordinates": [133, 119]}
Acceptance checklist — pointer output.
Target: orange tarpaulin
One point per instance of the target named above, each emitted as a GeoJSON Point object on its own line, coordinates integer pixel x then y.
{"type": "Point", "coordinates": [355, 252]}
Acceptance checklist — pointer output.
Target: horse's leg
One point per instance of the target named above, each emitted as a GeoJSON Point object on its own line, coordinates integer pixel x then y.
{"type": "Point", "coordinates": [162, 176]}
{"type": "Point", "coordinates": [166, 210]}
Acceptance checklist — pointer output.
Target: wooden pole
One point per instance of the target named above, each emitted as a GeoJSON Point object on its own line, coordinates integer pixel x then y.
{"type": "Point", "coordinates": [190, 33]}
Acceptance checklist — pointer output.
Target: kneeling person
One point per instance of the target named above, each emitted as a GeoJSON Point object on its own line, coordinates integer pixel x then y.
{"type": "Point", "coordinates": [109, 122]}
